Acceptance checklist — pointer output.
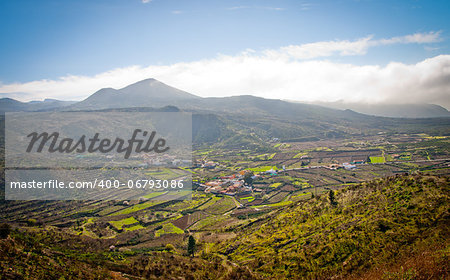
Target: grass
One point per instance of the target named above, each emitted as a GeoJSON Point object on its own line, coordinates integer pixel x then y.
{"type": "Point", "coordinates": [135, 208]}
{"type": "Point", "coordinates": [283, 203]}
{"type": "Point", "coordinates": [299, 155]}
{"type": "Point", "coordinates": [275, 185]}
{"type": "Point", "coordinates": [248, 198]}
{"type": "Point", "coordinates": [301, 196]}
{"type": "Point", "coordinates": [263, 168]}
{"type": "Point", "coordinates": [405, 156]}
{"type": "Point", "coordinates": [379, 159]}
{"type": "Point", "coordinates": [208, 223]}
{"type": "Point", "coordinates": [120, 223]}
{"type": "Point", "coordinates": [324, 149]}
{"type": "Point", "coordinates": [221, 206]}
{"type": "Point", "coordinates": [167, 229]}
{"type": "Point", "coordinates": [135, 227]}
{"type": "Point", "coordinates": [165, 173]}
{"type": "Point", "coordinates": [363, 228]}
{"type": "Point", "coordinates": [209, 203]}
{"type": "Point", "coordinates": [188, 204]}
{"type": "Point", "coordinates": [303, 184]}
{"type": "Point", "coordinates": [266, 156]}
{"type": "Point", "coordinates": [153, 194]}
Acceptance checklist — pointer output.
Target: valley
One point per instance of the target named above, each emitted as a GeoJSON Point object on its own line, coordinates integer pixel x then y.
{"type": "Point", "coordinates": [233, 190]}
{"type": "Point", "coordinates": [279, 190]}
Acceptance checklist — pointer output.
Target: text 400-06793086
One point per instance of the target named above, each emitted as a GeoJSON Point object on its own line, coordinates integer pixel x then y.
{"type": "Point", "coordinates": [143, 184]}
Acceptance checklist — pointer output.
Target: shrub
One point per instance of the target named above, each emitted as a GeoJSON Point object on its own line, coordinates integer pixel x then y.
{"type": "Point", "coordinates": [5, 229]}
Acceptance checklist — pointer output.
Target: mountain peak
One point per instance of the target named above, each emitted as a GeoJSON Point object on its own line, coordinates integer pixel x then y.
{"type": "Point", "coordinates": [146, 93]}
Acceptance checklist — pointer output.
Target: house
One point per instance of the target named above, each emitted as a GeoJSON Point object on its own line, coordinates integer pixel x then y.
{"type": "Point", "coordinates": [271, 172]}
{"type": "Point", "coordinates": [348, 166]}
{"type": "Point", "coordinates": [209, 165]}
{"type": "Point", "coordinates": [358, 160]}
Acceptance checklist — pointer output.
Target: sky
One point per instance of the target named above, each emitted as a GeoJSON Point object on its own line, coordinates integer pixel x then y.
{"type": "Point", "coordinates": [342, 50]}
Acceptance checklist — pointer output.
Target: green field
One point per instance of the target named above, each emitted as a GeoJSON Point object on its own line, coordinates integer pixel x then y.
{"type": "Point", "coordinates": [120, 223]}
{"type": "Point", "coordinates": [135, 208]}
{"type": "Point", "coordinates": [221, 206]}
{"type": "Point", "coordinates": [153, 194]}
{"type": "Point", "coordinates": [299, 155]}
{"type": "Point", "coordinates": [248, 198]}
{"type": "Point", "coordinates": [167, 229]}
{"type": "Point", "coordinates": [263, 168]}
{"type": "Point", "coordinates": [380, 159]}
{"type": "Point", "coordinates": [275, 185]}
{"type": "Point", "coordinates": [283, 203]}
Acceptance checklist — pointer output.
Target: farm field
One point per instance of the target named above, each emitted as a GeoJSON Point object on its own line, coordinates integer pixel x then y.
{"type": "Point", "coordinates": [283, 176]}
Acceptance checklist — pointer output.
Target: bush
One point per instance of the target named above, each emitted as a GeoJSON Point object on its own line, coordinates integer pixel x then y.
{"type": "Point", "coordinates": [5, 229]}
{"type": "Point", "coordinates": [170, 248]}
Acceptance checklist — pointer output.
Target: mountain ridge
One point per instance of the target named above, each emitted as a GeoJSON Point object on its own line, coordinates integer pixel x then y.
{"type": "Point", "coordinates": [11, 105]}
{"type": "Point", "coordinates": [406, 110]}
{"type": "Point", "coordinates": [153, 93]}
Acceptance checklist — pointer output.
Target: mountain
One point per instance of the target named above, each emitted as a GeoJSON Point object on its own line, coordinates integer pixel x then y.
{"type": "Point", "coordinates": [12, 105]}
{"type": "Point", "coordinates": [391, 110]}
{"type": "Point", "coordinates": [146, 93]}
{"type": "Point", "coordinates": [153, 93]}
{"type": "Point", "coordinates": [243, 121]}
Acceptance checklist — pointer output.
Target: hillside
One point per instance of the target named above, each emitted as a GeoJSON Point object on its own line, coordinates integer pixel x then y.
{"type": "Point", "coordinates": [393, 228]}
{"type": "Point", "coordinates": [397, 226]}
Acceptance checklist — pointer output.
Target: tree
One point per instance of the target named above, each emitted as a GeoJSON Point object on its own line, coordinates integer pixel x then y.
{"type": "Point", "coordinates": [191, 246]}
{"type": "Point", "coordinates": [248, 178]}
{"type": "Point", "coordinates": [332, 197]}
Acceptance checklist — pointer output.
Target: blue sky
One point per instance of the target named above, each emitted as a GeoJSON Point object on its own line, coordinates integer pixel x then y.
{"type": "Point", "coordinates": [58, 40]}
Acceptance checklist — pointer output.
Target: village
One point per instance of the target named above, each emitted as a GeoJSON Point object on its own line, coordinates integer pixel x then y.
{"type": "Point", "coordinates": [292, 169]}
{"type": "Point", "coordinates": [242, 182]}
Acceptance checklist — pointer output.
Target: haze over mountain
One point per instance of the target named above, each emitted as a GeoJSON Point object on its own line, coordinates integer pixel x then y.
{"type": "Point", "coordinates": [391, 110]}
{"type": "Point", "coordinates": [153, 93]}
{"type": "Point", "coordinates": [12, 105]}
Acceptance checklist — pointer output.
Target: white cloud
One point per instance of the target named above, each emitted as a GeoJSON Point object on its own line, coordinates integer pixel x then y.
{"type": "Point", "coordinates": [430, 49]}
{"type": "Point", "coordinates": [255, 7]}
{"type": "Point", "coordinates": [348, 48]}
{"type": "Point", "coordinates": [146, 1]}
{"type": "Point", "coordinates": [273, 8]}
{"type": "Point", "coordinates": [323, 49]}
{"type": "Point", "coordinates": [237, 8]}
{"type": "Point", "coordinates": [419, 38]}
{"type": "Point", "coordinates": [305, 6]}
{"type": "Point", "coordinates": [272, 76]}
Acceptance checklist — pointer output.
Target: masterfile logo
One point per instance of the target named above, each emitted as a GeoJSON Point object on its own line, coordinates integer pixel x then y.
{"type": "Point", "coordinates": [98, 155]}
{"type": "Point", "coordinates": [95, 144]}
